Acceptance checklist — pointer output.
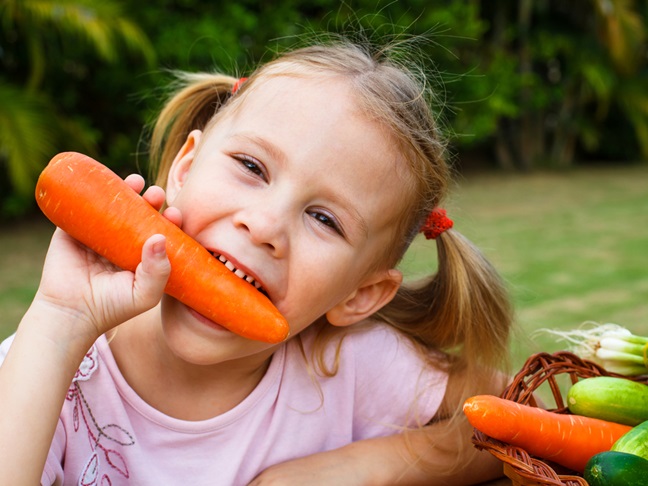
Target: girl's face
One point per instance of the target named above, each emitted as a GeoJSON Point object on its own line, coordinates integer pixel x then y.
{"type": "Point", "coordinates": [298, 190]}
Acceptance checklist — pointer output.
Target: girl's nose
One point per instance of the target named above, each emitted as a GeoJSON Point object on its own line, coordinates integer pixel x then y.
{"type": "Point", "coordinates": [266, 226]}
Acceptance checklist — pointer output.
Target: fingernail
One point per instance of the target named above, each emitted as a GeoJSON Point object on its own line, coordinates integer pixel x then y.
{"type": "Point", "coordinates": [159, 248]}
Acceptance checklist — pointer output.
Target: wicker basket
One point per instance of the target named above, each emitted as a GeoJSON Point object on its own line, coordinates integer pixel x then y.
{"type": "Point", "coordinates": [539, 369]}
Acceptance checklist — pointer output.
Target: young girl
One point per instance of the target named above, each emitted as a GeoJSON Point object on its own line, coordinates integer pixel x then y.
{"type": "Point", "coordinates": [310, 179]}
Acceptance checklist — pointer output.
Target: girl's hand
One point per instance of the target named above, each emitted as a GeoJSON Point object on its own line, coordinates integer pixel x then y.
{"type": "Point", "coordinates": [93, 295]}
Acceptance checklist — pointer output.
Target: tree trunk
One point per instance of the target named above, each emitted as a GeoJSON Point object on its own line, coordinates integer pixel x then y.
{"type": "Point", "coordinates": [505, 147]}
{"type": "Point", "coordinates": [527, 142]}
{"type": "Point", "coordinates": [564, 136]}
{"type": "Point", "coordinates": [504, 151]}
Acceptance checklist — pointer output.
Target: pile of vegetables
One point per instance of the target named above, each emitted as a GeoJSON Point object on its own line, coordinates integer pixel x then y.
{"type": "Point", "coordinates": [604, 436]}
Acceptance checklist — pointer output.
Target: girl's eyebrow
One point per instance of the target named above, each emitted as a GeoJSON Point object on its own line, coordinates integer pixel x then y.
{"type": "Point", "coordinates": [266, 146]}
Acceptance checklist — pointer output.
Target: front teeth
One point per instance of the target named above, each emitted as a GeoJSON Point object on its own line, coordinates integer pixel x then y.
{"type": "Point", "coordinates": [237, 271]}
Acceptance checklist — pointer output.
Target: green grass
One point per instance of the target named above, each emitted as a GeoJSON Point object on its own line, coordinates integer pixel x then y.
{"type": "Point", "coordinates": [572, 246]}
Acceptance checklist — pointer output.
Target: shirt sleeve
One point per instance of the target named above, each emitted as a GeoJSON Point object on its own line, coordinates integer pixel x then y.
{"type": "Point", "coordinates": [4, 348]}
{"type": "Point", "coordinates": [396, 387]}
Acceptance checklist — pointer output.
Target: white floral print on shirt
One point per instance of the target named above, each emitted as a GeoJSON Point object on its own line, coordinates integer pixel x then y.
{"type": "Point", "coordinates": [105, 441]}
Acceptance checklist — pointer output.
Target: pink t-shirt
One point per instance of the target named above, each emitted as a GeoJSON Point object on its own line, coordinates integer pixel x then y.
{"type": "Point", "coordinates": [107, 435]}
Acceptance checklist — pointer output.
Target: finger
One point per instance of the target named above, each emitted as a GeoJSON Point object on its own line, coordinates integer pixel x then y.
{"type": "Point", "coordinates": [174, 215]}
{"type": "Point", "coordinates": [152, 273]}
{"type": "Point", "coordinates": [136, 182]}
{"type": "Point", "coordinates": [155, 196]}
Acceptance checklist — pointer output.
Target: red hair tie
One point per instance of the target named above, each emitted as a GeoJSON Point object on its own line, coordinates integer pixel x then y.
{"type": "Point", "coordinates": [436, 223]}
{"type": "Point", "coordinates": [238, 85]}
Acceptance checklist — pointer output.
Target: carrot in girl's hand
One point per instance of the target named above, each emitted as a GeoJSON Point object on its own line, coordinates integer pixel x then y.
{"type": "Point", "coordinates": [95, 206]}
{"type": "Point", "coordinates": [568, 440]}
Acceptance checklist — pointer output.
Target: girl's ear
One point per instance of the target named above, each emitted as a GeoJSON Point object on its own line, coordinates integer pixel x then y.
{"type": "Point", "coordinates": [181, 165]}
{"type": "Point", "coordinates": [371, 296]}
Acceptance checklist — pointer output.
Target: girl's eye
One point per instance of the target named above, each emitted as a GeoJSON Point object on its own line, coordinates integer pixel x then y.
{"type": "Point", "coordinates": [251, 165]}
{"type": "Point", "coordinates": [326, 220]}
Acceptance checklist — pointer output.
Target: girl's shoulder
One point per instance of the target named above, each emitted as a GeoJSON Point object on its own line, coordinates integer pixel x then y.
{"type": "Point", "coordinates": [375, 355]}
{"type": "Point", "coordinates": [381, 350]}
{"type": "Point", "coordinates": [366, 343]}
{"type": "Point", "coordinates": [391, 379]}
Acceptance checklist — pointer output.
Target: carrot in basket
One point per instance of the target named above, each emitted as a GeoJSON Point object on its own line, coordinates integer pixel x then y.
{"type": "Point", "coordinates": [95, 206]}
{"type": "Point", "coordinates": [568, 440]}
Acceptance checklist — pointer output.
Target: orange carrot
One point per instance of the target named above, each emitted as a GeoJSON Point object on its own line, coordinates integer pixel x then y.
{"type": "Point", "coordinates": [568, 440]}
{"type": "Point", "coordinates": [95, 206]}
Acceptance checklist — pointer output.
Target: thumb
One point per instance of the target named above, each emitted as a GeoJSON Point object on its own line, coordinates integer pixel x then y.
{"type": "Point", "coordinates": [152, 273]}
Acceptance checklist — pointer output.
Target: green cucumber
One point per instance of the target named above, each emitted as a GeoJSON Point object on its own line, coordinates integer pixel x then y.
{"type": "Point", "coordinates": [612, 468]}
{"type": "Point", "coordinates": [609, 398]}
{"type": "Point", "coordinates": [634, 442]}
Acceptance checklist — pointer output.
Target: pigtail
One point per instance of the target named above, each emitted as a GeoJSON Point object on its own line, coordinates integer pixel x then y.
{"type": "Point", "coordinates": [463, 310]}
{"type": "Point", "coordinates": [191, 107]}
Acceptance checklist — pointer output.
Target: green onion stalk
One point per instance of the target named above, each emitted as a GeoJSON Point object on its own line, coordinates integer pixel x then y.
{"type": "Point", "coordinates": [611, 346]}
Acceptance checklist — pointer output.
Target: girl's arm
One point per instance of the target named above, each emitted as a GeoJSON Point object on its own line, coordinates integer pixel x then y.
{"type": "Point", "coordinates": [389, 461]}
{"type": "Point", "coordinates": [80, 297]}
{"type": "Point", "coordinates": [423, 456]}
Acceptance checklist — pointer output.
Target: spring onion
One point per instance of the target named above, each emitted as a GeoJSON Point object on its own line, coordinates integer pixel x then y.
{"type": "Point", "coordinates": [611, 346]}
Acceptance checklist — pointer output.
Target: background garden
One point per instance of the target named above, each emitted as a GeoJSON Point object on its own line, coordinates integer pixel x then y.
{"type": "Point", "coordinates": [545, 104]}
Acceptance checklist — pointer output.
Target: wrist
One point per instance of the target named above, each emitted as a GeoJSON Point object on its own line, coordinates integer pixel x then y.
{"type": "Point", "coordinates": [65, 331]}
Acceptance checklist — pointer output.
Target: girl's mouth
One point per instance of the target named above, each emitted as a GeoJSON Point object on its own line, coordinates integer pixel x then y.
{"type": "Point", "coordinates": [240, 273]}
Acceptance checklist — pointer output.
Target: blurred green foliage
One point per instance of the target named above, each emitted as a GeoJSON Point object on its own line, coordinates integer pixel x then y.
{"type": "Point", "coordinates": [524, 84]}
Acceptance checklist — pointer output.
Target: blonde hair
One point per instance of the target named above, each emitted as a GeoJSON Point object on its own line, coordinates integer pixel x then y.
{"type": "Point", "coordinates": [462, 310]}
